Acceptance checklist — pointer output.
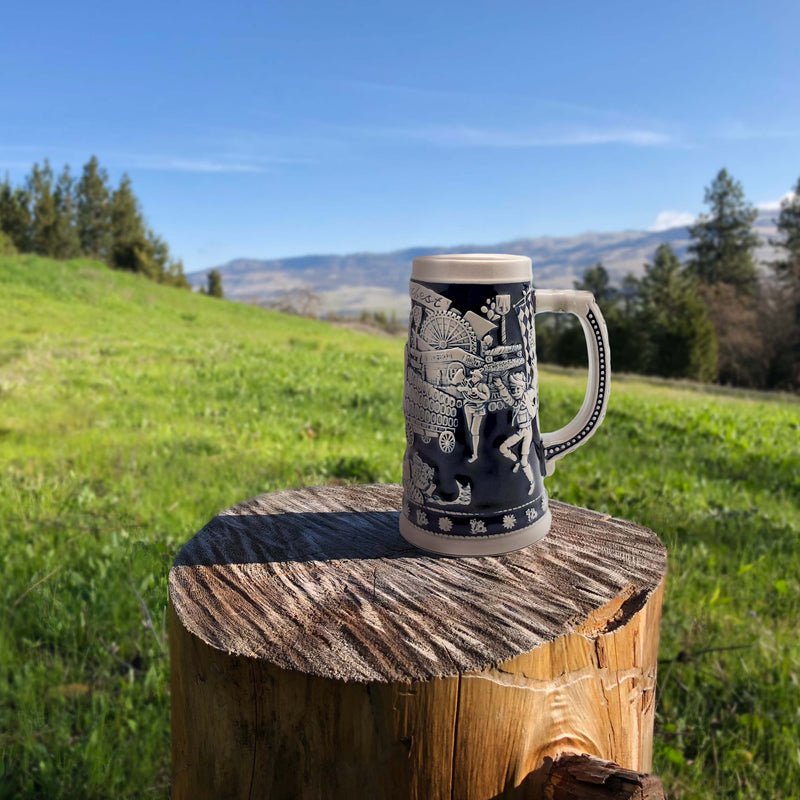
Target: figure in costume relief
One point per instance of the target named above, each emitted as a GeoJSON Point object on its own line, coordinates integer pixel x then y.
{"type": "Point", "coordinates": [475, 393]}
{"type": "Point", "coordinates": [421, 481]}
{"type": "Point", "coordinates": [521, 399]}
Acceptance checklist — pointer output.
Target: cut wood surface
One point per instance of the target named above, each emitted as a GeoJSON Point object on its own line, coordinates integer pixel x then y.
{"type": "Point", "coordinates": [315, 653]}
{"type": "Point", "coordinates": [320, 581]}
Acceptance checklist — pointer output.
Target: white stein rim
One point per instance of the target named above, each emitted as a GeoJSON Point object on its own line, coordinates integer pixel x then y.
{"type": "Point", "coordinates": [472, 268]}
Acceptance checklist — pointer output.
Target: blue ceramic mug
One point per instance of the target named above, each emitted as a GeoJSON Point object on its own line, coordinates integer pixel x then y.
{"type": "Point", "coordinates": [474, 466]}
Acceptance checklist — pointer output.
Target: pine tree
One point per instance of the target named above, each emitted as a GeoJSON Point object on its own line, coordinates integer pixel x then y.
{"type": "Point", "coordinates": [130, 248]}
{"type": "Point", "coordinates": [92, 207]}
{"type": "Point", "coordinates": [15, 215]}
{"type": "Point", "coordinates": [215, 284]}
{"type": "Point", "coordinates": [176, 276]}
{"type": "Point", "coordinates": [629, 293]}
{"type": "Point", "coordinates": [787, 269]}
{"type": "Point", "coordinates": [723, 242]}
{"type": "Point", "coordinates": [66, 241]}
{"type": "Point", "coordinates": [783, 329]}
{"type": "Point", "coordinates": [597, 281]}
{"type": "Point", "coordinates": [169, 271]}
{"type": "Point", "coordinates": [620, 322]}
{"type": "Point", "coordinates": [678, 336]}
{"type": "Point", "coordinates": [159, 253]}
{"type": "Point", "coordinates": [44, 232]}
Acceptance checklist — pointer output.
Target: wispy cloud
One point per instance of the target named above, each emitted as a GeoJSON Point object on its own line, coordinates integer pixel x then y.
{"type": "Point", "coordinates": [200, 164]}
{"type": "Point", "coordinates": [671, 219]}
{"type": "Point", "coordinates": [509, 99]}
{"type": "Point", "coordinates": [197, 165]}
{"type": "Point", "coordinates": [220, 162]}
{"type": "Point", "coordinates": [465, 136]}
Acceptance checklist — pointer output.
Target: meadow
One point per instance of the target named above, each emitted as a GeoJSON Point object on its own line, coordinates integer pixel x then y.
{"type": "Point", "coordinates": [131, 413]}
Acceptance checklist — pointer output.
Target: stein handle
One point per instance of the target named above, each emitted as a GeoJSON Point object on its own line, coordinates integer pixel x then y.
{"type": "Point", "coordinates": [582, 304]}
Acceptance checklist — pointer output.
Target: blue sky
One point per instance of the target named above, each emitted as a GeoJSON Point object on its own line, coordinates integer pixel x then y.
{"type": "Point", "coordinates": [272, 129]}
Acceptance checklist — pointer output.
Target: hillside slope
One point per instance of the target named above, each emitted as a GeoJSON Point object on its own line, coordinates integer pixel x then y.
{"type": "Point", "coordinates": [130, 413]}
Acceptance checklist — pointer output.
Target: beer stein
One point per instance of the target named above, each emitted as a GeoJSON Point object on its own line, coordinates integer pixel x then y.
{"type": "Point", "coordinates": [475, 459]}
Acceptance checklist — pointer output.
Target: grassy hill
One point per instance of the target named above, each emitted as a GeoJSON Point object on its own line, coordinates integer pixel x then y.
{"type": "Point", "coordinates": [130, 413]}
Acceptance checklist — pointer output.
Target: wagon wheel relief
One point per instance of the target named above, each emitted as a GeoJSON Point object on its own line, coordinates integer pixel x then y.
{"type": "Point", "coordinates": [443, 331]}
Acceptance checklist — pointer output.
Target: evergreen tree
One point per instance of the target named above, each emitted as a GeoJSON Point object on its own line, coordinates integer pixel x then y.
{"type": "Point", "coordinates": [130, 248]}
{"type": "Point", "coordinates": [677, 334]}
{"type": "Point", "coordinates": [92, 211]}
{"type": "Point", "coordinates": [723, 243]}
{"type": "Point", "coordinates": [175, 276]}
{"type": "Point", "coordinates": [783, 328]}
{"type": "Point", "coordinates": [215, 284]}
{"type": "Point", "coordinates": [44, 232]}
{"type": "Point", "coordinates": [787, 269]}
{"type": "Point", "coordinates": [64, 219]}
{"type": "Point", "coordinates": [597, 281]}
{"type": "Point", "coordinates": [621, 323]}
{"type": "Point", "coordinates": [15, 215]}
{"type": "Point", "coordinates": [169, 270]}
{"type": "Point", "coordinates": [629, 293]}
{"type": "Point", "coordinates": [66, 241]}
{"type": "Point", "coordinates": [159, 253]}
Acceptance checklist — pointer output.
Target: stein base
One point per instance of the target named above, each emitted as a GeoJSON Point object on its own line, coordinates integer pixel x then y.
{"type": "Point", "coordinates": [475, 545]}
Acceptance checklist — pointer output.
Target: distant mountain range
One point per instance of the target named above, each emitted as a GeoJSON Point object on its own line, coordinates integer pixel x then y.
{"type": "Point", "coordinates": [348, 284]}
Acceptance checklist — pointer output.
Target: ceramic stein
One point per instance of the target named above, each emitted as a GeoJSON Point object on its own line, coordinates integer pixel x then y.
{"type": "Point", "coordinates": [474, 466]}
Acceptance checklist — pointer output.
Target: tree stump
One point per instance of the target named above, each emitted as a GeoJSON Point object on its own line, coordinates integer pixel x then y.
{"type": "Point", "coordinates": [316, 654]}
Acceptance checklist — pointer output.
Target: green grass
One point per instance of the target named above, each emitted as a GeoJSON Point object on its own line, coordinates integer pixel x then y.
{"type": "Point", "coordinates": [131, 413]}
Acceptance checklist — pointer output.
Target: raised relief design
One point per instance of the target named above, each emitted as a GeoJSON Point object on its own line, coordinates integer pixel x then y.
{"type": "Point", "coordinates": [475, 393]}
{"type": "Point", "coordinates": [462, 367]}
{"type": "Point", "coordinates": [521, 399]}
{"type": "Point", "coordinates": [419, 479]}
{"type": "Point", "coordinates": [477, 526]}
{"type": "Point", "coordinates": [421, 484]}
{"type": "Point", "coordinates": [453, 358]}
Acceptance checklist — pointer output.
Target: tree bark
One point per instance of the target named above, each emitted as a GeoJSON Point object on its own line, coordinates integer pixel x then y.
{"type": "Point", "coordinates": [316, 654]}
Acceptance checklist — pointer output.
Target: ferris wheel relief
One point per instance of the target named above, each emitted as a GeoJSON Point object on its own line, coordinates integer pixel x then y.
{"type": "Point", "coordinates": [460, 365]}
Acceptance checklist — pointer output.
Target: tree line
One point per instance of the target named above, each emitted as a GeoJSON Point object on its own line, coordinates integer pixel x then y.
{"type": "Point", "coordinates": [713, 317]}
{"type": "Point", "coordinates": [66, 217]}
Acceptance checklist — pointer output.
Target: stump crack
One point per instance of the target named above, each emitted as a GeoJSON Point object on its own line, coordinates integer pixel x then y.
{"type": "Point", "coordinates": [614, 615]}
{"type": "Point", "coordinates": [608, 679]}
{"type": "Point", "coordinates": [455, 741]}
{"type": "Point", "coordinates": [255, 731]}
